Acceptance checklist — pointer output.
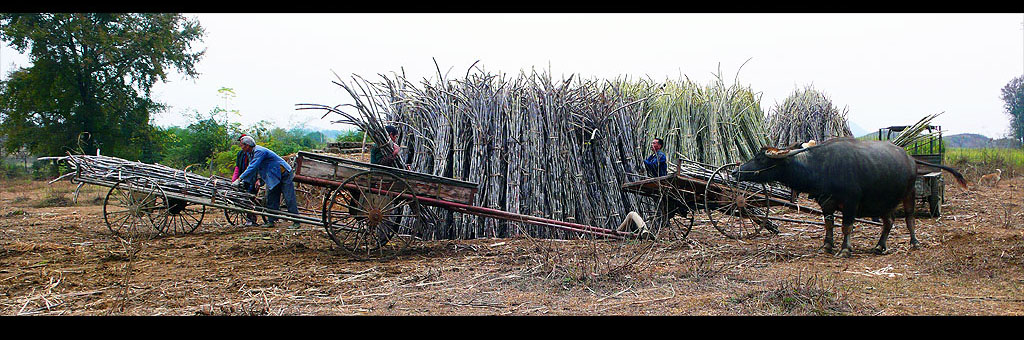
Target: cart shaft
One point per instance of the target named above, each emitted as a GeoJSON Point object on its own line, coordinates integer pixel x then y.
{"type": "Point", "coordinates": [480, 211]}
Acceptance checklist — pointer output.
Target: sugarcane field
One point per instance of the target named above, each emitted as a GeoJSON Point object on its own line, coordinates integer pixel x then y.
{"type": "Point", "coordinates": [62, 256]}
{"type": "Point", "coordinates": [300, 172]}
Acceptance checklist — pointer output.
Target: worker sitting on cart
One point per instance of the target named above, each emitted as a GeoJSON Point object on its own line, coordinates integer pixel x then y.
{"type": "Point", "coordinates": [387, 155]}
{"type": "Point", "coordinates": [656, 164]}
{"type": "Point", "coordinates": [274, 172]}
{"type": "Point", "coordinates": [241, 163]}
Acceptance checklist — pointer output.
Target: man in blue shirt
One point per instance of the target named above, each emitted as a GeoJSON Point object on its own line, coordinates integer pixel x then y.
{"type": "Point", "coordinates": [656, 164]}
{"type": "Point", "coordinates": [241, 163]}
{"type": "Point", "coordinates": [274, 172]}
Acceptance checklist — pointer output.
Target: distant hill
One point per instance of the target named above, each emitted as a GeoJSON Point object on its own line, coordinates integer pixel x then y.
{"type": "Point", "coordinates": [869, 136]}
{"type": "Point", "coordinates": [973, 140]}
{"type": "Point", "coordinates": [856, 129]}
{"type": "Point", "coordinates": [965, 140]}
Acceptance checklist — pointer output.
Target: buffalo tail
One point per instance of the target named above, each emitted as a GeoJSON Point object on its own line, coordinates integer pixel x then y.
{"type": "Point", "coordinates": [959, 178]}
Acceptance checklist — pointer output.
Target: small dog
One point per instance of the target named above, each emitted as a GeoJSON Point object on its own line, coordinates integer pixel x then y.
{"type": "Point", "coordinates": [991, 179]}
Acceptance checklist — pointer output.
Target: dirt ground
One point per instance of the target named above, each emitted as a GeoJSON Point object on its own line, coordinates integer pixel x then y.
{"type": "Point", "coordinates": [59, 258]}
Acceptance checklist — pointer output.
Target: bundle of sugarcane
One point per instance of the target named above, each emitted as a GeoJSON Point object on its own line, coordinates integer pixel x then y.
{"type": "Point", "coordinates": [108, 171]}
{"type": "Point", "coordinates": [548, 148]}
{"type": "Point", "coordinates": [533, 145]}
{"type": "Point", "coordinates": [371, 111]}
{"type": "Point", "coordinates": [914, 133]}
{"type": "Point", "coordinates": [706, 172]}
{"type": "Point", "coordinates": [805, 115]}
{"type": "Point", "coordinates": [714, 124]}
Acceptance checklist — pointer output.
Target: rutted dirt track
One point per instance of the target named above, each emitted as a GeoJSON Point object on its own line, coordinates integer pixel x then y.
{"type": "Point", "coordinates": [59, 258]}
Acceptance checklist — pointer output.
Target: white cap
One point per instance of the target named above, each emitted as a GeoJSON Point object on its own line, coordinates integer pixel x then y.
{"type": "Point", "coordinates": [247, 140]}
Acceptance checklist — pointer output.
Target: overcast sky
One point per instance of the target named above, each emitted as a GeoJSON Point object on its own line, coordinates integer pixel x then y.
{"type": "Point", "coordinates": [886, 69]}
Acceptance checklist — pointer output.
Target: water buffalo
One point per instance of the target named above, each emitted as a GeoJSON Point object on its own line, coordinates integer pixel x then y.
{"type": "Point", "coordinates": [858, 178]}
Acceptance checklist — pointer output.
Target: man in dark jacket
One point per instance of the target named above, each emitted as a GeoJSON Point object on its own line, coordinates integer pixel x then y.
{"type": "Point", "coordinates": [656, 164]}
{"type": "Point", "coordinates": [387, 155]}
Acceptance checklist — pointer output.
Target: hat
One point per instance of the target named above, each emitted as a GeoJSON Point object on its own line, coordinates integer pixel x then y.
{"type": "Point", "coordinates": [247, 140]}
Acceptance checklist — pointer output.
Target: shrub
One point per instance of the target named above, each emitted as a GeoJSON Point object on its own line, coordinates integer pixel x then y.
{"type": "Point", "coordinates": [12, 171]}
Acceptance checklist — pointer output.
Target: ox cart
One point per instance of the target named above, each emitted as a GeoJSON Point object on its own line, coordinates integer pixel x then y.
{"type": "Point", "coordinates": [364, 204]}
{"type": "Point", "coordinates": [737, 209]}
{"type": "Point", "coordinates": [364, 208]}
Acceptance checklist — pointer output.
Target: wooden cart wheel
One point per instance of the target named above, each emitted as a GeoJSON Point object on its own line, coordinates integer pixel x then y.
{"type": "Point", "coordinates": [133, 206]}
{"type": "Point", "coordinates": [182, 217]}
{"type": "Point", "coordinates": [674, 215]}
{"type": "Point", "coordinates": [237, 218]}
{"type": "Point", "coordinates": [234, 218]}
{"type": "Point", "coordinates": [738, 210]}
{"type": "Point", "coordinates": [368, 210]}
{"type": "Point", "coordinates": [680, 225]}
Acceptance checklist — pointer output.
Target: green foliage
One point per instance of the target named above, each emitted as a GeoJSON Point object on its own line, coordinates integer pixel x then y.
{"type": "Point", "coordinates": [286, 141]}
{"type": "Point", "coordinates": [213, 144]}
{"type": "Point", "coordinates": [1013, 104]}
{"type": "Point", "coordinates": [91, 72]}
{"type": "Point", "coordinates": [349, 136]}
{"type": "Point", "coordinates": [209, 144]}
{"type": "Point", "coordinates": [48, 169]}
{"type": "Point", "coordinates": [223, 162]}
{"type": "Point", "coordinates": [12, 170]}
{"type": "Point", "coordinates": [38, 170]}
{"type": "Point", "coordinates": [200, 140]}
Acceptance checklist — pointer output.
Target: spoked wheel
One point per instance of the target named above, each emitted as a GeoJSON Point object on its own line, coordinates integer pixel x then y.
{"type": "Point", "coordinates": [369, 210]}
{"type": "Point", "coordinates": [237, 218]}
{"type": "Point", "coordinates": [182, 217]}
{"type": "Point", "coordinates": [738, 210]}
{"type": "Point", "coordinates": [683, 222]}
{"type": "Point", "coordinates": [135, 208]}
{"type": "Point", "coordinates": [674, 215]}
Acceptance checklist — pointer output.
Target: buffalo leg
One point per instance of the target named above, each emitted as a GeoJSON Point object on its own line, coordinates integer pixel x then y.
{"type": "Point", "coordinates": [849, 215]}
{"type": "Point", "coordinates": [908, 210]}
{"type": "Point", "coordinates": [829, 224]}
{"type": "Point", "coordinates": [886, 227]}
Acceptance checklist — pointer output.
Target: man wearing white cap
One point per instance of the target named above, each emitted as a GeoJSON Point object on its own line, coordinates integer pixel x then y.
{"type": "Point", "coordinates": [274, 172]}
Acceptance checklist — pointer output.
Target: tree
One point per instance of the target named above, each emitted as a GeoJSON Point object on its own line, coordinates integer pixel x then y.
{"type": "Point", "coordinates": [1013, 103]}
{"type": "Point", "coordinates": [91, 73]}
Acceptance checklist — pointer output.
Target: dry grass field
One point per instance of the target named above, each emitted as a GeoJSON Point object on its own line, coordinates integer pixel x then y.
{"type": "Point", "coordinates": [57, 257]}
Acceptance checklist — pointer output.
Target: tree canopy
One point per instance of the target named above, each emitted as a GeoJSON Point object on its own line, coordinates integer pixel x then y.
{"type": "Point", "coordinates": [91, 76]}
{"type": "Point", "coordinates": [1013, 103]}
